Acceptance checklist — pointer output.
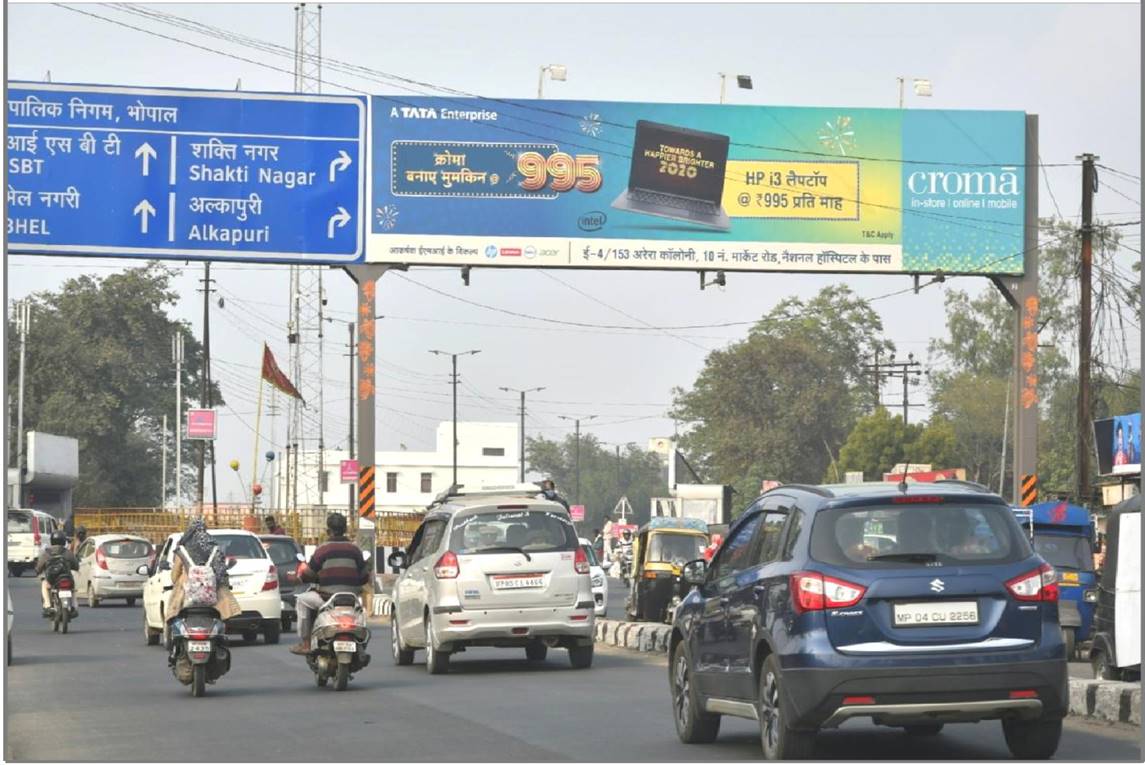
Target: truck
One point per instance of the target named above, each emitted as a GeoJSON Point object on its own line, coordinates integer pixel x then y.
{"type": "Point", "coordinates": [1064, 534]}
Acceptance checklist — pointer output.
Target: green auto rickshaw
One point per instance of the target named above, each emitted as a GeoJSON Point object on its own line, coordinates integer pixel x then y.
{"type": "Point", "coordinates": [659, 552]}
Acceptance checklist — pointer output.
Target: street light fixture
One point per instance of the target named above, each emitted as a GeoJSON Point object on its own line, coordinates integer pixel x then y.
{"type": "Point", "coordinates": [577, 421]}
{"type": "Point", "coordinates": [455, 380]}
{"type": "Point", "coordinates": [522, 392]}
{"type": "Point", "coordinates": [557, 72]}
{"type": "Point", "coordinates": [742, 80]}
{"type": "Point", "coordinates": [922, 88]}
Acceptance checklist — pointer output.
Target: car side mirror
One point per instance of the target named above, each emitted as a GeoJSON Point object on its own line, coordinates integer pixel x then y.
{"type": "Point", "coordinates": [143, 570]}
{"type": "Point", "coordinates": [231, 563]}
{"type": "Point", "coordinates": [397, 560]}
{"type": "Point", "coordinates": [695, 572]}
{"type": "Point", "coordinates": [164, 565]}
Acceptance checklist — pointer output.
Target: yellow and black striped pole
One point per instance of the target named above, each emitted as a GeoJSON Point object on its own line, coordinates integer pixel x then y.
{"type": "Point", "coordinates": [1029, 489]}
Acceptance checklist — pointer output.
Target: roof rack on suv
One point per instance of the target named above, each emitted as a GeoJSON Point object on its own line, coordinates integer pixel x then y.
{"type": "Point", "coordinates": [460, 491]}
{"type": "Point", "coordinates": [968, 484]}
{"type": "Point", "coordinates": [805, 487]}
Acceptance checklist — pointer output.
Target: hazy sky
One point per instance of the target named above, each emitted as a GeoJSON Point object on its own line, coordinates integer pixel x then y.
{"type": "Point", "coordinates": [1077, 66]}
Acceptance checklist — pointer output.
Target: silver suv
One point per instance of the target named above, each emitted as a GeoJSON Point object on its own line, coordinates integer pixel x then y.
{"type": "Point", "coordinates": [497, 569]}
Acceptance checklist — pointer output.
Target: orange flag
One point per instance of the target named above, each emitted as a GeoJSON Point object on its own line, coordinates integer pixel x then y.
{"type": "Point", "coordinates": [273, 375]}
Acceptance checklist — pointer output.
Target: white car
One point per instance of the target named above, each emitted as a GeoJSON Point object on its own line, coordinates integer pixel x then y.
{"type": "Point", "coordinates": [599, 580]}
{"type": "Point", "coordinates": [109, 568]}
{"type": "Point", "coordinates": [254, 583]}
{"type": "Point", "coordinates": [29, 534]}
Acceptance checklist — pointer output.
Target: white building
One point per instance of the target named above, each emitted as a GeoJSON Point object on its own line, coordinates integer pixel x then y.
{"type": "Point", "coordinates": [406, 481]}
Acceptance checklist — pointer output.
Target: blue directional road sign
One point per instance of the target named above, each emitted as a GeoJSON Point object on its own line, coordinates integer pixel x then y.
{"type": "Point", "coordinates": [161, 173]}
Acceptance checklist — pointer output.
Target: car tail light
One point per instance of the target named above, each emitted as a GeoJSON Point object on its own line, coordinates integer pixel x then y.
{"type": "Point", "coordinates": [1023, 694]}
{"type": "Point", "coordinates": [1037, 585]}
{"type": "Point", "coordinates": [446, 566]}
{"type": "Point", "coordinates": [36, 531]}
{"type": "Point", "coordinates": [578, 617]}
{"type": "Point", "coordinates": [917, 500]}
{"type": "Point", "coordinates": [580, 561]}
{"type": "Point", "coordinates": [812, 591]}
{"type": "Point", "coordinates": [858, 700]}
{"type": "Point", "coordinates": [271, 582]}
{"type": "Point", "coordinates": [100, 558]}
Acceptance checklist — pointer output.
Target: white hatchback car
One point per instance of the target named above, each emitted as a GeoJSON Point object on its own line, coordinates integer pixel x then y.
{"type": "Point", "coordinates": [109, 566]}
{"type": "Point", "coordinates": [29, 534]}
{"type": "Point", "coordinates": [497, 569]}
{"type": "Point", "coordinates": [598, 578]}
{"type": "Point", "coordinates": [254, 583]}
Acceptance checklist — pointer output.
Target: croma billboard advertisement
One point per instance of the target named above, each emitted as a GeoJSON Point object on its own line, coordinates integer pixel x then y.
{"type": "Point", "coordinates": [670, 186]}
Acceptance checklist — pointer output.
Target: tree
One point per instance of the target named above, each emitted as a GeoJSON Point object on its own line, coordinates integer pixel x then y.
{"type": "Point", "coordinates": [972, 405]}
{"type": "Point", "coordinates": [604, 478]}
{"type": "Point", "coordinates": [880, 441]}
{"type": "Point", "coordinates": [99, 369]}
{"type": "Point", "coordinates": [778, 404]}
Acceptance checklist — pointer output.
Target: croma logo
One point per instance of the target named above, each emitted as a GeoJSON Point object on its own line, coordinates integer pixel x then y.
{"type": "Point", "coordinates": [591, 221]}
{"type": "Point", "coordinates": [974, 183]}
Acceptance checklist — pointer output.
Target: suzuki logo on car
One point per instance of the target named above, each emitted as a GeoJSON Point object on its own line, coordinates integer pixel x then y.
{"type": "Point", "coordinates": [937, 585]}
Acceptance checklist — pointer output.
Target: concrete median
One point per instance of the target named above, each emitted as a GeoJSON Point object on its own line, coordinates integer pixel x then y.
{"type": "Point", "coordinates": [1097, 699]}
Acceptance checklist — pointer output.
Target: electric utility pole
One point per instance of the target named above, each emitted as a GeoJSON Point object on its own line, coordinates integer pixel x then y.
{"type": "Point", "coordinates": [177, 357]}
{"type": "Point", "coordinates": [522, 434]}
{"type": "Point", "coordinates": [205, 388]}
{"type": "Point", "coordinates": [23, 323]}
{"type": "Point", "coordinates": [908, 370]}
{"type": "Point", "coordinates": [1088, 188]}
{"type": "Point", "coordinates": [455, 380]}
{"type": "Point", "coordinates": [350, 354]}
{"type": "Point", "coordinates": [577, 459]}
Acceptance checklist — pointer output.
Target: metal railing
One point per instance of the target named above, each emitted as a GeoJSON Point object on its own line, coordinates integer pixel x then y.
{"type": "Point", "coordinates": [306, 524]}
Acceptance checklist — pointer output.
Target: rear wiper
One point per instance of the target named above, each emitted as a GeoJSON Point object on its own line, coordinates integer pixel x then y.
{"type": "Point", "coordinates": [918, 557]}
{"type": "Point", "coordinates": [505, 548]}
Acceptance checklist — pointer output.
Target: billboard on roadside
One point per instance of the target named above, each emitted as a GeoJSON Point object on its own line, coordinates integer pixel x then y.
{"type": "Point", "coordinates": [475, 181]}
{"type": "Point", "coordinates": [1118, 441]}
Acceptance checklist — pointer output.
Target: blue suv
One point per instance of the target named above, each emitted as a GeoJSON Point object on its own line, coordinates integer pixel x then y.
{"type": "Point", "coordinates": [911, 605]}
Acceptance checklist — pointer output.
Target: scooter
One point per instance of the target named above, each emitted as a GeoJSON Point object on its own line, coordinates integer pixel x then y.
{"type": "Point", "coordinates": [62, 596]}
{"type": "Point", "coordinates": [339, 639]}
{"type": "Point", "coordinates": [199, 653]}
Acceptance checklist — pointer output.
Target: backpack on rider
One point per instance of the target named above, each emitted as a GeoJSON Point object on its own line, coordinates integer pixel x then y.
{"type": "Point", "coordinates": [200, 588]}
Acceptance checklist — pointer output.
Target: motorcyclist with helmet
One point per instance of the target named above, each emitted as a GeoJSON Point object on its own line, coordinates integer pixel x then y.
{"type": "Point", "coordinates": [53, 563]}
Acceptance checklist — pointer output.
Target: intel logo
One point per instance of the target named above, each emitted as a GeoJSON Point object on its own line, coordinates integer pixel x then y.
{"type": "Point", "coordinates": [591, 221]}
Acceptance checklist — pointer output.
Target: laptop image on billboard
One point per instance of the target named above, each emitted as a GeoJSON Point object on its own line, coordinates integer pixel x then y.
{"type": "Point", "coordinates": [677, 173]}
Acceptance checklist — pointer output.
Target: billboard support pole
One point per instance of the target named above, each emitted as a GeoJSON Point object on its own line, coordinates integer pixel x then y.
{"type": "Point", "coordinates": [366, 277]}
{"type": "Point", "coordinates": [1021, 292]}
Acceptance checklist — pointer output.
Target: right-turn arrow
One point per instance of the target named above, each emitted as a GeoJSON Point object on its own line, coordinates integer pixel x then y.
{"type": "Point", "coordinates": [340, 218]}
{"type": "Point", "coordinates": [143, 209]}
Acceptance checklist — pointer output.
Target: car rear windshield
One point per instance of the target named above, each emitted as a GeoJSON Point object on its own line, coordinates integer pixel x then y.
{"type": "Point", "coordinates": [528, 530]}
{"type": "Point", "coordinates": [674, 548]}
{"type": "Point", "coordinates": [282, 551]}
{"type": "Point", "coordinates": [917, 534]}
{"type": "Point", "coordinates": [1064, 551]}
{"type": "Point", "coordinates": [239, 546]}
{"type": "Point", "coordinates": [126, 548]}
{"type": "Point", "coordinates": [19, 523]}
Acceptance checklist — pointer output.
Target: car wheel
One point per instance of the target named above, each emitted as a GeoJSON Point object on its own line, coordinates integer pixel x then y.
{"type": "Point", "coordinates": [580, 657]}
{"type": "Point", "coordinates": [271, 631]}
{"type": "Point", "coordinates": [536, 651]}
{"type": "Point", "coordinates": [92, 600]}
{"type": "Point", "coordinates": [1032, 740]}
{"type": "Point", "coordinates": [1102, 670]}
{"type": "Point", "coordinates": [250, 636]}
{"type": "Point", "coordinates": [403, 656]}
{"type": "Point", "coordinates": [779, 741]}
{"type": "Point", "coordinates": [932, 729]}
{"type": "Point", "coordinates": [693, 725]}
{"type": "Point", "coordinates": [436, 660]}
{"type": "Point", "coordinates": [152, 635]}
{"type": "Point", "coordinates": [286, 622]}
{"type": "Point", "coordinates": [14, 571]}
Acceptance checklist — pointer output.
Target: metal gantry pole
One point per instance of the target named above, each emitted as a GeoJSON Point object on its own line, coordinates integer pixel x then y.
{"type": "Point", "coordinates": [351, 486]}
{"type": "Point", "coordinates": [23, 323]}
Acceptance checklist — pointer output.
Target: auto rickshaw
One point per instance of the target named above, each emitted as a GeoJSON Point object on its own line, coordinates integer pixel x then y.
{"type": "Point", "coordinates": [661, 549]}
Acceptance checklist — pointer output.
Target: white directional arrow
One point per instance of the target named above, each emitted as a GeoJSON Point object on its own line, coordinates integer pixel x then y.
{"type": "Point", "coordinates": [341, 162]}
{"type": "Point", "coordinates": [340, 218]}
{"type": "Point", "coordinates": [143, 209]}
{"type": "Point", "coordinates": [148, 153]}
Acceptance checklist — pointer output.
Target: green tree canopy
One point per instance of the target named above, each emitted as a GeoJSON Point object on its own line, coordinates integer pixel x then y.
{"type": "Point", "coordinates": [99, 369]}
{"type": "Point", "coordinates": [780, 403]}
{"type": "Point", "coordinates": [604, 478]}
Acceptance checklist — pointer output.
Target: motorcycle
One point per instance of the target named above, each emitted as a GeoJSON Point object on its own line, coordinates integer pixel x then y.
{"type": "Point", "coordinates": [63, 599]}
{"type": "Point", "coordinates": [626, 564]}
{"type": "Point", "coordinates": [199, 653]}
{"type": "Point", "coordinates": [339, 639]}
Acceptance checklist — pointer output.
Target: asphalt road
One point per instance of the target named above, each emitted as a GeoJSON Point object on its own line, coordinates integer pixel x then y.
{"type": "Point", "coordinates": [99, 693]}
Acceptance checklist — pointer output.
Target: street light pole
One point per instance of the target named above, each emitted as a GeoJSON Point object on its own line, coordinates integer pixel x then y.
{"type": "Point", "coordinates": [454, 356]}
{"type": "Point", "coordinates": [577, 458]}
{"type": "Point", "coordinates": [177, 353]}
{"type": "Point", "coordinates": [23, 322]}
{"type": "Point", "coordinates": [522, 434]}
